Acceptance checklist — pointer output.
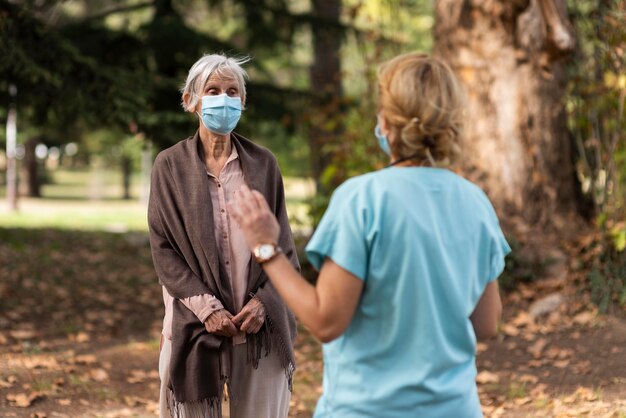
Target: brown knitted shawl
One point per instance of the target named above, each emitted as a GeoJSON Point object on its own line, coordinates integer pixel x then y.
{"type": "Point", "coordinates": [186, 261]}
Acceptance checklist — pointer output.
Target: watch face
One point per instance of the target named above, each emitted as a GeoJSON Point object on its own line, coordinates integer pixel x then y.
{"type": "Point", "coordinates": [266, 251]}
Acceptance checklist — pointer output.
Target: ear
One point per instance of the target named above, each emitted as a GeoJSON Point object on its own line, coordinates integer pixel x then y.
{"type": "Point", "coordinates": [187, 102]}
{"type": "Point", "coordinates": [384, 126]}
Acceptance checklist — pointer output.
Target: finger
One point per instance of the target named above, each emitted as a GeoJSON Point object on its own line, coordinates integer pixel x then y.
{"type": "Point", "coordinates": [244, 192]}
{"type": "Point", "coordinates": [261, 201]}
{"type": "Point", "coordinates": [231, 329]}
{"type": "Point", "coordinates": [243, 189]}
{"type": "Point", "coordinates": [240, 317]}
{"type": "Point", "coordinates": [234, 210]}
{"type": "Point", "coordinates": [256, 329]}
{"type": "Point", "coordinates": [246, 201]}
{"type": "Point", "coordinates": [247, 325]}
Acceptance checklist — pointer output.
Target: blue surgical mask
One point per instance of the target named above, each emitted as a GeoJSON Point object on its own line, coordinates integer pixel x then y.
{"type": "Point", "coordinates": [382, 140]}
{"type": "Point", "coordinates": [221, 113]}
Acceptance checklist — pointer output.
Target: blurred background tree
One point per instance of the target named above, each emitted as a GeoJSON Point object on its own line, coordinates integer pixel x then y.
{"type": "Point", "coordinates": [545, 84]}
{"type": "Point", "coordinates": [596, 121]}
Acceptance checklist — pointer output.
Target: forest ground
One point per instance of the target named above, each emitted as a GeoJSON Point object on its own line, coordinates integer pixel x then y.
{"type": "Point", "coordinates": [80, 317]}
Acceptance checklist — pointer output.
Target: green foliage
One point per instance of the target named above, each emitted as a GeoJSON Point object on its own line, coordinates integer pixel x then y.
{"type": "Point", "coordinates": [112, 146]}
{"type": "Point", "coordinates": [618, 233]}
{"type": "Point", "coordinates": [86, 70]}
{"type": "Point", "coordinates": [597, 91]}
{"type": "Point", "coordinates": [385, 29]}
{"type": "Point", "coordinates": [57, 83]}
{"type": "Point", "coordinates": [607, 281]}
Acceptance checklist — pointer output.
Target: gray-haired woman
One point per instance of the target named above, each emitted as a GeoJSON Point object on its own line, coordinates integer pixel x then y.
{"type": "Point", "coordinates": [224, 322]}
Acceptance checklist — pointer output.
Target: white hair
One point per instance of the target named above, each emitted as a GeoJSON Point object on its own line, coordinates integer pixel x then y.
{"type": "Point", "coordinates": [204, 68]}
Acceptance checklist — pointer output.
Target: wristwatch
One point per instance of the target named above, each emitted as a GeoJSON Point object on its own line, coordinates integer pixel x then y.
{"type": "Point", "coordinates": [265, 252]}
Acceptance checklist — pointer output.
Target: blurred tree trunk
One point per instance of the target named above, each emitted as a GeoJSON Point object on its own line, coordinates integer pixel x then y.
{"type": "Point", "coordinates": [127, 170]}
{"type": "Point", "coordinates": [325, 75]}
{"type": "Point", "coordinates": [31, 186]}
{"type": "Point", "coordinates": [509, 54]}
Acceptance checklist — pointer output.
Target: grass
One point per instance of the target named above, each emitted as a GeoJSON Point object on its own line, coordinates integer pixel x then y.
{"type": "Point", "coordinates": [85, 200]}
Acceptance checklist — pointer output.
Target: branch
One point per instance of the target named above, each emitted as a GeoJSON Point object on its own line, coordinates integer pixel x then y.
{"type": "Point", "coordinates": [560, 33]}
{"type": "Point", "coordinates": [121, 9]}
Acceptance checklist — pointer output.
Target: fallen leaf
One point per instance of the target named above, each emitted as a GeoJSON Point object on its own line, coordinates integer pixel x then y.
{"type": "Point", "coordinates": [22, 334]}
{"type": "Point", "coordinates": [64, 402]}
{"type": "Point", "coordinates": [136, 376]}
{"type": "Point", "coordinates": [523, 318]}
{"type": "Point", "coordinates": [99, 375]}
{"type": "Point", "coordinates": [586, 394]}
{"type": "Point", "coordinates": [583, 367]}
{"type": "Point", "coordinates": [5, 384]}
{"type": "Point", "coordinates": [22, 400]}
{"type": "Point", "coordinates": [584, 318]}
{"type": "Point", "coordinates": [510, 330]}
{"type": "Point", "coordinates": [539, 391]}
{"type": "Point", "coordinates": [536, 363]}
{"type": "Point", "coordinates": [537, 347]}
{"type": "Point", "coordinates": [86, 359]}
{"type": "Point", "coordinates": [486, 377]}
{"type": "Point", "coordinates": [528, 378]}
{"type": "Point", "coordinates": [41, 362]}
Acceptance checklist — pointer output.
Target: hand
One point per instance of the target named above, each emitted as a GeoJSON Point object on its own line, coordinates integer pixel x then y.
{"type": "Point", "coordinates": [252, 213]}
{"type": "Point", "coordinates": [221, 323]}
{"type": "Point", "coordinates": [251, 318]}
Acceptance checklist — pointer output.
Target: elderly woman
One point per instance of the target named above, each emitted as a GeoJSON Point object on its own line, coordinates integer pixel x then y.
{"type": "Point", "coordinates": [224, 321]}
{"type": "Point", "coordinates": [408, 259]}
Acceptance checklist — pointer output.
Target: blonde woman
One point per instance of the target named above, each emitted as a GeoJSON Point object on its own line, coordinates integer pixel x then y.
{"type": "Point", "coordinates": [408, 259]}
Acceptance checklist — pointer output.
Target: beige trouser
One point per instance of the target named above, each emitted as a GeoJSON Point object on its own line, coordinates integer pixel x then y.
{"type": "Point", "coordinates": [264, 392]}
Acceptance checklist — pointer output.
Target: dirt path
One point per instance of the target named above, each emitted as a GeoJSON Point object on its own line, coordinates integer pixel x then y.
{"type": "Point", "coordinates": [79, 331]}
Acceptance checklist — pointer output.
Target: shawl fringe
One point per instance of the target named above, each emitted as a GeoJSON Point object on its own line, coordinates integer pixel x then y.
{"type": "Point", "coordinates": [204, 408]}
{"type": "Point", "coordinates": [270, 340]}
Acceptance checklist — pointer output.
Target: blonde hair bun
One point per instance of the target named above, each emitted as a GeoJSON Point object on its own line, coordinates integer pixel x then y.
{"type": "Point", "coordinates": [422, 101]}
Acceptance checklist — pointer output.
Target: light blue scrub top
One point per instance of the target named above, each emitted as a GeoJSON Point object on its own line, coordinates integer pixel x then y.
{"type": "Point", "coordinates": [426, 242]}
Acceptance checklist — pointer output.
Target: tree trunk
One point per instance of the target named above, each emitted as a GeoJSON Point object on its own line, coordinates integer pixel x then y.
{"type": "Point", "coordinates": [326, 84]}
{"type": "Point", "coordinates": [509, 55]}
{"type": "Point", "coordinates": [127, 170]}
{"type": "Point", "coordinates": [30, 170]}
{"type": "Point", "coordinates": [11, 135]}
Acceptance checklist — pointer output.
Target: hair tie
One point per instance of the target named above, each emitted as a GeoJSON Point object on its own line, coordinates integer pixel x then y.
{"type": "Point", "coordinates": [429, 141]}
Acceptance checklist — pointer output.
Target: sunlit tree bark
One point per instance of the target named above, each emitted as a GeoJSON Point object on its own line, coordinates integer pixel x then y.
{"type": "Point", "coordinates": [509, 55]}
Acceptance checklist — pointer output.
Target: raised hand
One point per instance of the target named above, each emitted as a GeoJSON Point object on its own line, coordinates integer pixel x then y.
{"type": "Point", "coordinates": [252, 213]}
